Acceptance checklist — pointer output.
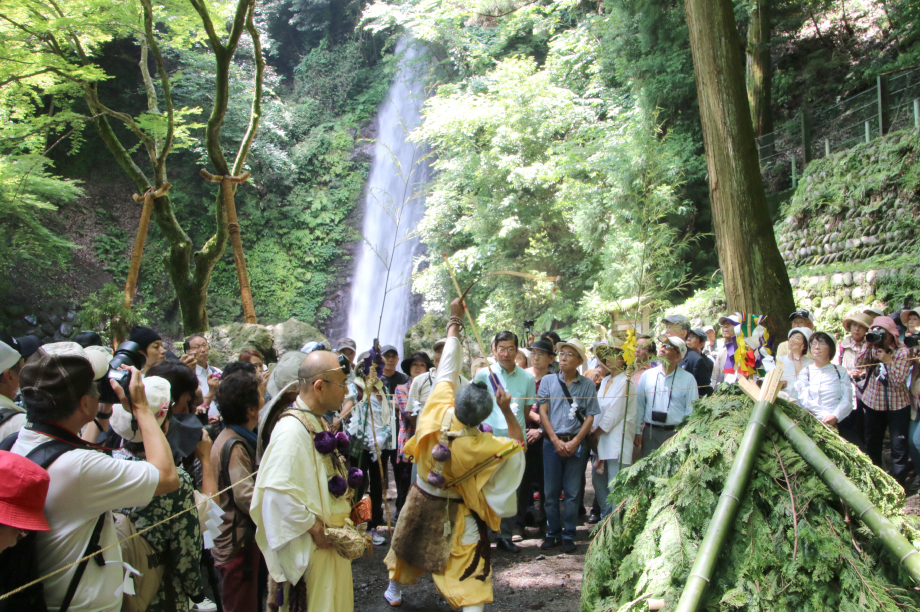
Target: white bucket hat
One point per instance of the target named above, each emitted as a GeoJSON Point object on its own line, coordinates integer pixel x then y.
{"type": "Point", "coordinates": [158, 399]}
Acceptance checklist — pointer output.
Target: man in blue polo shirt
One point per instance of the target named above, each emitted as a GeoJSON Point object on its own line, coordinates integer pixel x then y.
{"type": "Point", "coordinates": [523, 388]}
{"type": "Point", "coordinates": [568, 404]}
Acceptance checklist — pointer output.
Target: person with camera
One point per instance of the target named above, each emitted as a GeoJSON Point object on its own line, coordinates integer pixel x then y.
{"type": "Point", "coordinates": [61, 396]}
{"type": "Point", "coordinates": [197, 351]}
{"type": "Point", "coordinates": [857, 325]}
{"type": "Point", "coordinates": [233, 461]}
{"type": "Point", "coordinates": [177, 542]}
{"type": "Point", "coordinates": [886, 395]}
{"type": "Point", "coordinates": [568, 405]}
{"type": "Point", "coordinates": [665, 397]}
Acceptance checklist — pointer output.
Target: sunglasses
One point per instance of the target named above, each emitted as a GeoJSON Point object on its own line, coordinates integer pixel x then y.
{"type": "Point", "coordinates": [802, 314]}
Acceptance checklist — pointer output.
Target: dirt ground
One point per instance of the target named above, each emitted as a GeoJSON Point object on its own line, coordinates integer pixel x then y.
{"type": "Point", "coordinates": [530, 580]}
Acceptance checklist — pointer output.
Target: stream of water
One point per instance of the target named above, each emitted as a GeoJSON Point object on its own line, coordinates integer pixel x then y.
{"type": "Point", "coordinates": [392, 209]}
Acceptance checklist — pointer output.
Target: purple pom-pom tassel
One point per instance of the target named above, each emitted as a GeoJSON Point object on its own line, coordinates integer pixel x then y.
{"type": "Point", "coordinates": [485, 428]}
{"type": "Point", "coordinates": [355, 477]}
{"type": "Point", "coordinates": [342, 441]}
{"type": "Point", "coordinates": [440, 453]}
{"type": "Point", "coordinates": [337, 486]}
{"type": "Point", "coordinates": [324, 442]}
{"type": "Point", "coordinates": [436, 480]}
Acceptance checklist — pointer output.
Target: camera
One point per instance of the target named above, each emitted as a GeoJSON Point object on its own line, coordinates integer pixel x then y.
{"type": "Point", "coordinates": [127, 354]}
{"type": "Point", "coordinates": [912, 341]}
{"type": "Point", "coordinates": [528, 326]}
{"type": "Point", "coordinates": [875, 337]}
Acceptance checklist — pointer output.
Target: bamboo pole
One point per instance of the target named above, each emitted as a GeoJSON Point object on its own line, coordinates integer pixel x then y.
{"type": "Point", "coordinates": [233, 227]}
{"type": "Point", "coordinates": [721, 523]}
{"type": "Point", "coordinates": [838, 482]}
{"type": "Point", "coordinates": [142, 227]}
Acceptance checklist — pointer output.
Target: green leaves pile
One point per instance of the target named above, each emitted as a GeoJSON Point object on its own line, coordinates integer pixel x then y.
{"type": "Point", "coordinates": [793, 545]}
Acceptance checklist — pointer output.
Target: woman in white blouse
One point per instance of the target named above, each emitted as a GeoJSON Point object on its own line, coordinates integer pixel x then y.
{"type": "Point", "coordinates": [608, 425]}
{"type": "Point", "coordinates": [796, 360]}
{"type": "Point", "coordinates": [823, 388]}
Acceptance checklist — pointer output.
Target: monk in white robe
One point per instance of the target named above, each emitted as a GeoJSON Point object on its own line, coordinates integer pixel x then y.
{"type": "Point", "coordinates": [291, 503]}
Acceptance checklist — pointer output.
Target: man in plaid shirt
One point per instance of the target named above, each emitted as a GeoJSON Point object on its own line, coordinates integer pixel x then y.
{"type": "Point", "coordinates": [886, 396]}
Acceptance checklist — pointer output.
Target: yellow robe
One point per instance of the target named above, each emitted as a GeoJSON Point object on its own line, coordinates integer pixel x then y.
{"type": "Point", "coordinates": [288, 468]}
{"type": "Point", "coordinates": [466, 453]}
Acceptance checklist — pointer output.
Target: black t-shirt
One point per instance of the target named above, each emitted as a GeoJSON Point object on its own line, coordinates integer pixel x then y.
{"type": "Point", "coordinates": [700, 366]}
{"type": "Point", "coordinates": [394, 380]}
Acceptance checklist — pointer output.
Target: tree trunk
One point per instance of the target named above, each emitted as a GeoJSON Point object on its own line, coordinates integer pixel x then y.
{"type": "Point", "coordinates": [753, 272]}
{"type": "Point", "coordinates": [759, 70]}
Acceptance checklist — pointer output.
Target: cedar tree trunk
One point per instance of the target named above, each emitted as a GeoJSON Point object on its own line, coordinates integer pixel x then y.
{"type": "Point", "coordinates": [758, 68]}
{"type": "Point", "coordinates": [753, 272]}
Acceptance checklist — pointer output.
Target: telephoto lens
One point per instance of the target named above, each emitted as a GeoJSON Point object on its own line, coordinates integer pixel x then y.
{"type": "Point", "coordinates": [875, 337]}
{"type": "Point", "coordinates": [127, 354]}
{"type": "Point", "coordinates": [911, 341]}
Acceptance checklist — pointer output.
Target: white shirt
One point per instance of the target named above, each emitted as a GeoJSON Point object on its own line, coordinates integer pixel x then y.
{"type": "Point", "coordinates": [789, 374]}
{"type": "Point", "coordinates": [825, 391]}
{"type": "Point", "coordinates": [84, 484]}
{"type": "Point", "coordinates": [14, 423]}
{"type": "Point", "coordinates": [202, 374]}
{"type": "Point", "coordinates": [614, 406]}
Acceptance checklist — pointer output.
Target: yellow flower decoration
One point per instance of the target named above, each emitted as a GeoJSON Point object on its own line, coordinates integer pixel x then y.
{"type": "Point", "coordinates": [741, 364]}
{"type": "Point", "coordinates": [629, 347]}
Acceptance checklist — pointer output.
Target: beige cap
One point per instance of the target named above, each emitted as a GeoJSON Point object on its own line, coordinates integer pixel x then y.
{"type": "Point", "coordinates": [676, 342]}
{"type": "Point", "coordinates": [576, 345]}
{"type": "Point", "coordinates": [96, 355]}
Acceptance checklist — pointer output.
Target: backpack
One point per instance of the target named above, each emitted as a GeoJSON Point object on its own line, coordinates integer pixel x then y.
{"type": "Point", "coordinates": [18, 563]}
{"type": "Point", "coordinates": [139, 554]}
{"type": "Point", "coordinates": [8, 413]}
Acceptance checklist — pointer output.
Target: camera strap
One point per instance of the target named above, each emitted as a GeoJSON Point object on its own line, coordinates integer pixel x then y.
{"type": "Point", "coordinates": [59, 433]}
{"type": "Point", "coordinates": [568, 397]}
{"type": "Point", "coordinates": [667, 408]}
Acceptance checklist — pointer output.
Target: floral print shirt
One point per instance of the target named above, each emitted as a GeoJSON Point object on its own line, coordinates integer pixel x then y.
{"type": "Point", "coordinates": [179, 540]}
{"type": "Point", "coordinates": [406, 428]}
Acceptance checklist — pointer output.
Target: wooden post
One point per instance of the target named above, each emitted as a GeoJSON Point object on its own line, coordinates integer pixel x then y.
{"type": "Point", "coordinates": [134, 269]}
{"type": "Point", "coordinates": [792, 163]}
{"type": "Point", "coordinates": [805, 122]}
{"type": "Point", "coordinates": [233, 227]}
{"type": "Point", "coordinates": [827, 147]}
{"type": "Point", "coordinates": [917, 114]}
{"type": "Point", "coordinates": [868, 132]}
{"type": "Point", "coordinates": [884, 105]}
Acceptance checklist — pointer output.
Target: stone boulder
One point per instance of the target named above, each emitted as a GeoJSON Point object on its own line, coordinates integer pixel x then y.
{"type": "Point", "coordinates": [227, 341]}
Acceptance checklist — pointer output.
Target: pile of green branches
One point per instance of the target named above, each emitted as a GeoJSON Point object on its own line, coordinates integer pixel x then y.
{"type": "Point", "coordinates": [794, 545]}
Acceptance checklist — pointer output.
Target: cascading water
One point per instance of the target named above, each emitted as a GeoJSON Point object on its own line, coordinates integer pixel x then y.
{"type": "Point", "coordinates": [392, 209]}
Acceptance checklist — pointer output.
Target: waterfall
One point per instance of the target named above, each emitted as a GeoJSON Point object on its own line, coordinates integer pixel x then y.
{"type": "Point", "coordinates": [398, 174]}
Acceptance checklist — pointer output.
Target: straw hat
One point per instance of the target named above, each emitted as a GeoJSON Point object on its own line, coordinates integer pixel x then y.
{"type": "Point", "coordinates": [575, 345]}
{"type": "Point", "coordinates": [857, 317]}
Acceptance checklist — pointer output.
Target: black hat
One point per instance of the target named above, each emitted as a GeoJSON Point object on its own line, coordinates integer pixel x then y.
{"type": "Point", "coordinates": [542, 344]}
{"type": "Point", "coordinates": [87, 338]}
{"type": "Point", "coordinates": [144, 336]}
{"type": "Point", "coordinates": [406, 364]}
{"type": "Point", "coordinates": [25, 346]}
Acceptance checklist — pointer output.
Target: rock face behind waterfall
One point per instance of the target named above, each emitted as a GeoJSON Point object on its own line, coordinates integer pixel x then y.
{"type": "Point", "coordinates": [227, 341]}
{"type": "Point", "coordinates": [822, 561]}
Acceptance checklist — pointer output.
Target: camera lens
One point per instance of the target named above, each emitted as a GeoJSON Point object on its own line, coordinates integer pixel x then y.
{"type": "Point", "coordinates": [127, 354]}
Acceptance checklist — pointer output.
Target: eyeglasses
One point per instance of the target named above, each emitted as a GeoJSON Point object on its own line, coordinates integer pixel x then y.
{"type": "Point", "coordinates": [331, 382]}
{"type": "Point", "coordinates": [567, 355]}
{"type": "Point", "coordinates": [505, 350]}
{"type": "Point", "coordinates": [815, 343]}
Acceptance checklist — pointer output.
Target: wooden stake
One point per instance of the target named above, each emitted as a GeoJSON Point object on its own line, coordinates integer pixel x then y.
{"type": "Point", "coordinates": [233, 226]}
{"type": "Point", "coordinates": [139, 240]}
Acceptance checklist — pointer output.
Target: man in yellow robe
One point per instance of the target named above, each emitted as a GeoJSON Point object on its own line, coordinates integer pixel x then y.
{"type": "Point", "coordinates": [480, 501]}
{"type": "Point", "coordinates": [291, 503]}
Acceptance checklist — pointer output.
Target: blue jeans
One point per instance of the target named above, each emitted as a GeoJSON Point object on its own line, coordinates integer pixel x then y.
{"type": "Point", "coordinates": [602, 484]}
{"type": "Point", "coordinates": [562, 475]}
{"type": "Point", "coordinates": [913, 444]}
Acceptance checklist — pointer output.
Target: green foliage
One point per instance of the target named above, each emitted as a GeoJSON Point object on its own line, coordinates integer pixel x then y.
{"type": "Point", "coordinates": [105, 312]}
{"type": "Point", "coordinates": [29, 194]}
{"type": "Point", "coordinates": [776, 557]}
{"type": "Point", "coordinates": [900, 290]}
{"type": "Point", "coordinates": [112, 250]}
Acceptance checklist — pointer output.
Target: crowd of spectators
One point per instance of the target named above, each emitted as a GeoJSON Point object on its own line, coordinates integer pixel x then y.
{"type": "Point", "coordinates": [184, 430]}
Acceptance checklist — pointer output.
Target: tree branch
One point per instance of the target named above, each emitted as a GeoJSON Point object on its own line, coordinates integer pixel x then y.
{"type": "Point", "coordinates": [160, 163]}
{"type": "Point", "coordinates": [255, 114]}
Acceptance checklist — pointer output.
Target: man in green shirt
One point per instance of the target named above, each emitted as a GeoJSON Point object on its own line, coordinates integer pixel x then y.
{"type": "Point", "coordinates": [521, 385]}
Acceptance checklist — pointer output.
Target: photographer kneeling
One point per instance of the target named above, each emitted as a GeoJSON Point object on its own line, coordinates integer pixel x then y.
{"type": "Point", "coordinates": [886, 396]}
{"type": "Point", "coordinates": [61, 397]}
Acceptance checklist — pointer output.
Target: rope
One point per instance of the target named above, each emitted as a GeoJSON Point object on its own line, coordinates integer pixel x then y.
{"type": "Point", "coordinates": [118, 543]}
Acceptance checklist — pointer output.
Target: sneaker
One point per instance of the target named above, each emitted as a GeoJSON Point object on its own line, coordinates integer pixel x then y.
{"type": "Point", "coordinates": [378, 540]}
{"type": "Point", "coordinates": [548, 543]}
{"type": "Point", "coordinates": [205, 605]}
{"type": "Point", "coordinates": [568, 546]}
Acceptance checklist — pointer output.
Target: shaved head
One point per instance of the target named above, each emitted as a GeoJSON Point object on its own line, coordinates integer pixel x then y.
{"type": "Point", "coordinates": [316, 363]}
{"type": "Point", "coordinates": [322, 382]}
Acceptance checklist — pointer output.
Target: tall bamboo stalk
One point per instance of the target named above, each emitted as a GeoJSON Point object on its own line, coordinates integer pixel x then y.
{"type": "Point", "coordinates": [721, 524]}
{"type": "Point", "coordinates": [834, 478]}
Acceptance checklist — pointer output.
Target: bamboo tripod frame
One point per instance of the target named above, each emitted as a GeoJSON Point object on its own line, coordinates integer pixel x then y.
{"type": "Point", "coordinates": [143, 226]}
{"type": "Point", "coordinates": [233, 227]}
